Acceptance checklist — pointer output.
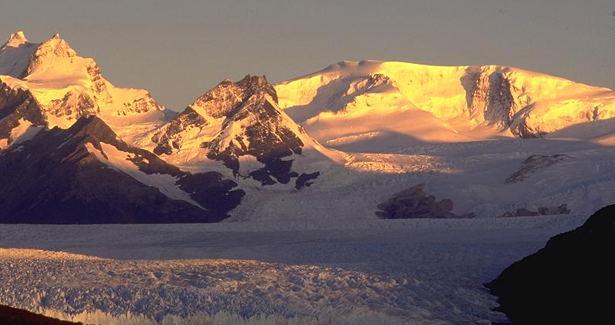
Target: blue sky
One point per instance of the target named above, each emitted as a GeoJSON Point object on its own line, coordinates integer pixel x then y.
{"type": "Point", "coordinates": [179, 49]}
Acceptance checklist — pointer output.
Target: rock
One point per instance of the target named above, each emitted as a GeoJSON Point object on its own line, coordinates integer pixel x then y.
{"type": "Point", "coordinates": [562, 209]}
{"type": "Point", "coordinates": [445, 206]}
{"type": "Point", "coordinates": [414, 203]}
{"type": "Point", "coordinates": [568, 282]}
{"type": "Point", "coordinates": [57, 177]}
{"type": "Point", "coordinates": [17, 105]}
{"type": "Point", "coordinates": [306, 180]}
{"type": "Point", "coordinates": [533, 164]}
{"type": "Point", "coordinates": [9, 315]}
{"type": "Point", "coordinates": [253, 125]}
{"type": "Point", "coordinates": [542, 211]}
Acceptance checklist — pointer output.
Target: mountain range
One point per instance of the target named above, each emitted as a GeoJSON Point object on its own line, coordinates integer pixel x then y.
{"type": "Point", "coordinates": [337, 143]}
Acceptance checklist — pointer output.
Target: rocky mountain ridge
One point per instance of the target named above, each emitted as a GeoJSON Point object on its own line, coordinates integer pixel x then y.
{"type": "Point", "coordinates": [86, 174]}
{"type": "Point", "coordinates": [239, 120]}
{"type": "Point", "coordinates": [340, 141]}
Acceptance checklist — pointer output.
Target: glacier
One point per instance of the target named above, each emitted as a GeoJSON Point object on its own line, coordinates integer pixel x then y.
{"type": "Point", "coordinates": [370, 272]}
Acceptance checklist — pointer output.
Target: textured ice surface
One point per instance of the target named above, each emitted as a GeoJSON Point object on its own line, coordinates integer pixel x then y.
{"type": "Point", "coordinates": [376, 272]}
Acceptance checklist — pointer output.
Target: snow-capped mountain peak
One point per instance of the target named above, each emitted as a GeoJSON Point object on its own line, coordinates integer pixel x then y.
{"type": "Point", "coordinates": [56, 61]}
{"type": "Point", "coordinates": [214, 111]}
{"type": "Point", "coordinates": [15, 40]}
{"type": "Point", "coordinates": [57, 46]}
{"type": "Point", "coordinates": [227, 95]}
{"type": "Point", "coordinates": [390, 117]}
{"type": "Point", "coordinates": [454, 103]}
{"type": "Point", "coordinates": [241, 125]}
{"type": "Point", "coordinates": [66, 86]}
{"type": "Point", "coordinates": [15, 54]}
{"type": "Point", "coordinates": [46, 58]}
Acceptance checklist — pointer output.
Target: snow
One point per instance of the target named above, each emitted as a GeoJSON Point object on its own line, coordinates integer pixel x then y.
{"type": "Point", "coordinates": [318, 255]}
{"type": "Point", "coordinates": [221, 132]}
{"type": "Point", "coordinates": [60, 80]}
{"type": "Point", "coordinates": [17, 39]}
{"type": "Point", "coordinates": [365, 272]}
{"type": "Point", "coordinates": [472, 174]}
{"type": "Point", "coordinates": [57, 64]}
{"type": "Point", "coordinates": [15, 54]}
{"type": "Point", "coordinates": [358, 95]}
{"type": "Point", "coordinates": [385, 126]}
{"type": "Point", "coordinates": [120, 161]}
{"type": "Point", "coordinates": [24, 131]}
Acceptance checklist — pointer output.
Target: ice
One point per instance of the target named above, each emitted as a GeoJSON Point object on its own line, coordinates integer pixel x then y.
{"type": "Point", "coordinates": [366, 272]}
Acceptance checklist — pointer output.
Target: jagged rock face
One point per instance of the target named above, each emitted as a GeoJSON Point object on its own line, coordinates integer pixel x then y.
{"type": "Point", "coordinates": [223, 101]}
{"type": "Point", "coordinates": [73, 105]}
{"type": "Point", "coordinates": [568, 282]}
{"type": "Point", "coordinates": [86, 174]}
{"type": "Point", "coordinates": [226, 98]}
{"type": "Point", "coordinates": [99, 83]}
{"type": "Point", "coordinates": [17, 105]}
{"type": "Point", "coordinates": [239, 119]}
{"type": "Point", "coordinates": [535, 163]}
{"type": "Point", "coordinates": [489, 96]}
{"type": "Point", "coordinates": [414, 203]}
{"type": "Point", "coordinates": [263, 134]}
{"type": "Point", "coordinates": [170, 138]}
{"type": "Point", "coordinates": [139, 105]}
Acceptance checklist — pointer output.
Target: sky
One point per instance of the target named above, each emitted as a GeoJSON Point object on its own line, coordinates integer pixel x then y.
{"type": "Point", "coordinates": [179, 49]}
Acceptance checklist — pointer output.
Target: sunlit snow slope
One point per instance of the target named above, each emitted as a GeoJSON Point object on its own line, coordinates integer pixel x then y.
{"type": "Point", "coordinates": [376, 106]}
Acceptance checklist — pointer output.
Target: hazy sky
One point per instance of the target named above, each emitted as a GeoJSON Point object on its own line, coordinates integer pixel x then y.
{"type": "Point", "coordinates": [178, 49]}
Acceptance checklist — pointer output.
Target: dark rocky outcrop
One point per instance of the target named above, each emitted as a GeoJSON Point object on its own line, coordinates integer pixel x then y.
{"type": "Point", "coordinates": [14, 316]}
{"type": "Point", "coordinates": [569, 282]}
{"type": "Point", "coordinates": [15, 105]}
{"type": "Point", "coordinates": [533, 164]}
{"type": "Point", "coordinates": [542, 211]}
{"type": "Point", "coordinates": [489, 96]}
{"type": "Point", "coordinates": [414, 203]}
{"type": "Point", "coordinates": [54, 178]}
{"type": "Point", "coordinates": [305, 180]}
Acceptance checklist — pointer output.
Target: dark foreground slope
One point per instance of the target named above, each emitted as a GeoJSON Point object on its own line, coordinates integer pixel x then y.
{"type": "Point", "coordinates": [63, 177]}
{"type": "Point", "coordinates": [13, 316]}
{"type": "Point", "coordinates": [570, 281]}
